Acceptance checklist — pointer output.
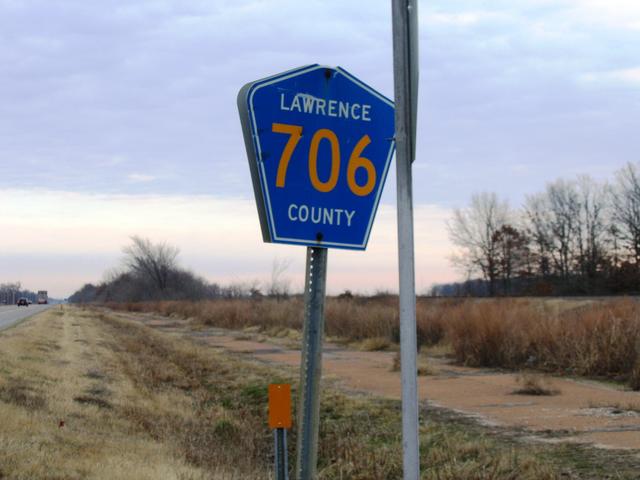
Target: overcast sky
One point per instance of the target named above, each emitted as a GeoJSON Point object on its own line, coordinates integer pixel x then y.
{"type": "Point", "coordinates": [119, 118]}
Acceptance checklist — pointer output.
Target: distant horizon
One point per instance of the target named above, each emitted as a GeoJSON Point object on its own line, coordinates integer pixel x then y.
{"type": "Point", "coordinates": [239, 254]}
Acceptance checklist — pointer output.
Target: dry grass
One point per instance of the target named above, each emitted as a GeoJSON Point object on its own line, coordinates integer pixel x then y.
{"type": "Point", "coordinates": [353, 319]}
{"type": "Point", "coordinates": [597, 340]}
{"type": "Point", "coordinates": [120, 400]}
{"type": "Point", "coordinates": [593, 338]}
{"type": "Point", "coordinates": [530, 383]}
{"type": "Point", "coordinates": [375, 344]}
{"type": "Point", "coordinates": [61, 401]}
{"type": "Point", "coordinates": [17, 391]}
{"type": "Point", "coordinates": [424, 365]}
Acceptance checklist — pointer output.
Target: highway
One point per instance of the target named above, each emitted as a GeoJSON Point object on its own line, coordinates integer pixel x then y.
{"type": "Point", "coordinates": [12, 314]}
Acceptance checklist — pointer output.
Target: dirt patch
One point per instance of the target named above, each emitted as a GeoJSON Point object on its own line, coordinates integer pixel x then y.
{"type": "Point", "coordinates": [483, 394]}
{"type": "Point", "coordinates": [534, 384]}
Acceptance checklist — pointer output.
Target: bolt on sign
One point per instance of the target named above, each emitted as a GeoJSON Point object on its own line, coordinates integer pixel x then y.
{"type": "Point", "coordinates": [319, 143]}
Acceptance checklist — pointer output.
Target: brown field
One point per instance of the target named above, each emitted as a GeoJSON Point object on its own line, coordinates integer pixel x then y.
{"type": "Point", "coordinates": [94, 394]}
{"type": "Point", "coordinates": [595, 338]}
{"type": "Point", "coordinates": [85, 396]}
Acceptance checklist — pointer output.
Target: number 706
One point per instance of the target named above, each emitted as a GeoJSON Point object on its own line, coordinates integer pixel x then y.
{"type": "Point", "coordinates": [356, 161]}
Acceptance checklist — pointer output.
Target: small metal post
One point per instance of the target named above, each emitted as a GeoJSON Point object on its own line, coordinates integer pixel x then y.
{"type": "Point", "coordinates": [310, 370]}
{"type": "Point", "coordinates": [281, 458]}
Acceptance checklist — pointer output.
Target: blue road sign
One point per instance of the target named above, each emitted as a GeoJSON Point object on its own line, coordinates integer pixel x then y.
{"type": "Point", "coordinates": [319, 143]}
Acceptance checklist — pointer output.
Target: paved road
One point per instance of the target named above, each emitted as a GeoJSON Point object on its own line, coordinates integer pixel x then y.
{"type": "Point", "coordinates": [11, 314]}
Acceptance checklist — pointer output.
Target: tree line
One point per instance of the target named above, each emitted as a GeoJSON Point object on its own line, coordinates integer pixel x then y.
{"type": "Point", "coordinates": [150, 271]}
{"type": "Point", "coordinates": [577, 237]}
{"type": "Point", "coordinates": [10, 292]}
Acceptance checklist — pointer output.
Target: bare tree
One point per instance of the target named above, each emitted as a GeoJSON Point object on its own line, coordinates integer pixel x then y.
{"type": "Point", "coordinates": [626, 210]}
{"type": "Point", "coordinates": [112, 274]}
{"type": "Point", "coordinates": [564, 205]}
{"type": "Point", "coordinates": [472, 230]}
{"type": "Point", "coordinates": [592, 226]}
{"type": "Point", "coordinates": [279, 285]}
{"type": "Point", "coordinates": [568, 227]}
{"type": "Point", "coordinates": [537, 217]}
{"type": "Point", "coordinates": [241, 289]}
{"type": "Point", "coordinates": [153, 262]}
{"type": "Point", "coordinates": [9, 292]}
{"type": "Point", "coordinates": [512, 254]}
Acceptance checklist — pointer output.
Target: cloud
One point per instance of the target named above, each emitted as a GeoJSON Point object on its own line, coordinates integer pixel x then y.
{"type": "Point", "coordinates": [94, 94]}
{"type": "Point", "coordinates": [141, 178]}
{"type": "Point", "coordinates": [620, 14]}
{"type": "Point", "coordinates": [458, 19]}
{"type": "Point", "coordinates": [628, 76]}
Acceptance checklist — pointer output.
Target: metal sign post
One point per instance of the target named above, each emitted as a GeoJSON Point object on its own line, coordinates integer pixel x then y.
{"type": "Point", "coordinates": [311, 369]}
{"type": "Point", "coordinates": [405, 72]}
{"type": "Point", "coordinates": [281, 458]}
{"type": "Point", "coordinates": [319, 143]}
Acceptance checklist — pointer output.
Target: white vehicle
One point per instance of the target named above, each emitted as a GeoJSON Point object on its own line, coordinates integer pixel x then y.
{"type": "Point", "coordinates": [43, 298]}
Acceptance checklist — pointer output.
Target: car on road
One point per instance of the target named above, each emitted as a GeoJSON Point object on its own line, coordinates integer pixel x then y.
{"type": "Point", "coordinates": [23, 301]}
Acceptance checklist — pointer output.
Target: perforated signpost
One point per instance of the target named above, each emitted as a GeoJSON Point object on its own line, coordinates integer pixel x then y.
{"type": "Point", "coordinates": [319, 143]}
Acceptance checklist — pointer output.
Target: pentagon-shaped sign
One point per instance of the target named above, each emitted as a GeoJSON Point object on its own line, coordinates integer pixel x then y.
{"type": "Point", "coordinates": [319, 143]}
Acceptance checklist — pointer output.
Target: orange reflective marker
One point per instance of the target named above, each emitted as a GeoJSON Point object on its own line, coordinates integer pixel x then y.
{"type": "Point", "coordinates": [279, 405]}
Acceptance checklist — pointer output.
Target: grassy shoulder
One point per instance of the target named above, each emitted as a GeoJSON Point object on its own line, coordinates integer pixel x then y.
{"type": "Point", "coordinates": [86, 394]}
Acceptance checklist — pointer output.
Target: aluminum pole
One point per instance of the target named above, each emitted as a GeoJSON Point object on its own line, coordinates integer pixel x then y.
{"type": "Point", "coordinates": [405, 72]}
{"type": "Point", "coordinates": [310, 370]}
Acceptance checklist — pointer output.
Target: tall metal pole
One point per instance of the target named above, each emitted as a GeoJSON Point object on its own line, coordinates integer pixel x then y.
{"type": "Point", "coordinates": [405, 70]}
{"type": "Point", "coordinates": [310, 370]}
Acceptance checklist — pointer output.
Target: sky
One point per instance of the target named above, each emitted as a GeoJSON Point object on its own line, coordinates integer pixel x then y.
{"type": "Point", "coordinates": [119, 118]}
